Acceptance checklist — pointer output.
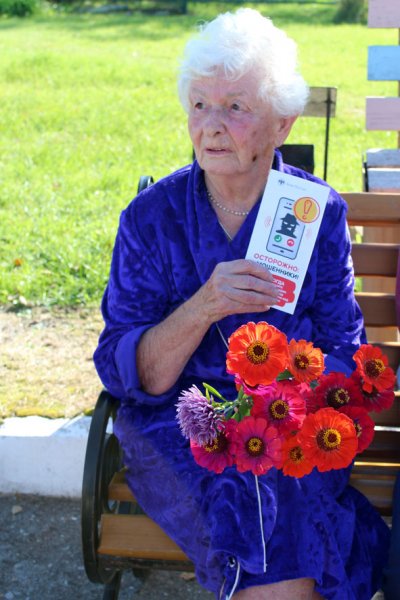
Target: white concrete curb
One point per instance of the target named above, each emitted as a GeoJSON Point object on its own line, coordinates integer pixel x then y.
{"type": "Point", "coordinates": [43, 456]}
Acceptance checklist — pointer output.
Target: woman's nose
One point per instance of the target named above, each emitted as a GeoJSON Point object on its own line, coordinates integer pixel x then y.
{"type": "Point", "coordinates": [214, 122]}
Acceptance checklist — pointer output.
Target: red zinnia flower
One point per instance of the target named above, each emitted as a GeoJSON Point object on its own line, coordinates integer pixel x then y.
{"type": "Point", "coordinates": [257, 353]}
{"type": "Point", "coordinates": [375, 400]}
{"type": "Point", "coordinates": [257, 446]}
{"type": "Point", "coordinates": [295, 462]}
{"type": "Point", "coordinates": [328, 439]}
{"type": "Point", "coordinates": [306, 363]}
{"type": "Point", "coordinates": [335, 390]}
{"type": "Point", "coordinates": [372, 366]}
{"type": "Point", "coordinates": [307, 393]}
{"type": "Point", "coordinates": [216, 455]}
{"type": "Point", "coordinates": [282, 406]}
{"type": "Point", "coordinates": [363, 423]}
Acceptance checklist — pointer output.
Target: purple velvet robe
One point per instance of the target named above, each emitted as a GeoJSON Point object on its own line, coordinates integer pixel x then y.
{"type": "Point", "coordinates": [238, 530]}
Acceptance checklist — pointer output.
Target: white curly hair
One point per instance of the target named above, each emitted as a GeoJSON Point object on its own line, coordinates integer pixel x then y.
{"type": "Point", "coordinates": [240, 42]}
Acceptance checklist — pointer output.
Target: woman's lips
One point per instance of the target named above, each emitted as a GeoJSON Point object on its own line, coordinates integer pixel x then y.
{"type": "Point", "coordinates": [217, 150]}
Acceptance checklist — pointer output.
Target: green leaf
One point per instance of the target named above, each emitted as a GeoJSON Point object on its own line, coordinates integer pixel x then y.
{"type": "Point", "coordinates": [284, 375]}
{"type": "Point", "coordinates": [213, 391]}
{"type": "Point", "coordinates": [228, 412]}
{"type": "Point", "coordinates": [244, 410]}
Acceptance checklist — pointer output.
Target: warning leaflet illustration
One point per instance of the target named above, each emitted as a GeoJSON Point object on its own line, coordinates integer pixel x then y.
{"type": "Point", "coordinates": [286, 230]}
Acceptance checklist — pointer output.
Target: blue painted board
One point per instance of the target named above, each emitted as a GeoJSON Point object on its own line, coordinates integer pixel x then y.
{"type": "Point", "coordinates": [384, 63]}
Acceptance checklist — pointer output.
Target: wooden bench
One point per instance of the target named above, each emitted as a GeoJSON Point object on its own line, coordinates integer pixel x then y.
{"type": "Point", "coordinates": [117, 535]}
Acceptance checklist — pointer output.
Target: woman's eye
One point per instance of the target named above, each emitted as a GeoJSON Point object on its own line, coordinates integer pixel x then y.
{"type": "Point", "coordinates": [199, 105]}
{"type": "Point", "coordinates": [235, 106]}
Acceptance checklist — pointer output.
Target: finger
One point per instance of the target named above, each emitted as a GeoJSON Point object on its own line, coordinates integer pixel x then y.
{"type": "Point", "coordinates": [243, 266]}
{"type": "Point", "coordinates": [251, 297]}
{"type": "Point", "coordinates": [247, 282]}
{"type": "Point", "coordinates": [235, 307]}
{"type": "Point", "coordinates": [251, 282]}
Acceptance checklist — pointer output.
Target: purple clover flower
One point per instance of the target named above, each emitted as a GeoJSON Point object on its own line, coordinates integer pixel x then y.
{"type": "Point", "coordinates": [197, 418]}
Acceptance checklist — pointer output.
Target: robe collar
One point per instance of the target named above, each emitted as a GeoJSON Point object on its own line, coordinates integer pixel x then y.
{"type": "Point", "coordinates": [208, 242]}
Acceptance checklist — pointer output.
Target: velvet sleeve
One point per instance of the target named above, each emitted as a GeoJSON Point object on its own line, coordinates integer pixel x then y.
{"type": "Point", "coordinates": [337, 320]}
{"type": "Point", "coordinates": [136, 298]}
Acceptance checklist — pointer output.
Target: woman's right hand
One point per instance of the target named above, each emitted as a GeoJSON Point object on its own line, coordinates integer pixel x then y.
{"type": "Point", "coordinates": [235, 287]}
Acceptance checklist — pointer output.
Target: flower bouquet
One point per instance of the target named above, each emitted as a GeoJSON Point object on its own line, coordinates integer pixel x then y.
{"type": "Point", "coordinates": [287, 414]}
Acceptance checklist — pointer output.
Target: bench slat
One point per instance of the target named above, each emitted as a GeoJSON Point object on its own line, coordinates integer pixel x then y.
{"type": "Point", "coordinates": [137, 536]}
{"type": "Point", "coordinates": [384, 180]}
{"type": "Point", "coordinates": [389, 417]}
{"type": "Point", "coordinates": [373, 209]}
{"type": "Point", "coordinates": [375, 259]}
{"type": "Point", "coordinates": [378, 157]}
{"type": "Point", "coordinates": [379, 493]}
{"type": "Point", "coordinates": [118, 489]}
{"type": "Point", "coordinates": [379, 469]}
{"type": "Point", "coordinates": [385, 447]}
{"type": "Point", "coordinates": [379, 309]}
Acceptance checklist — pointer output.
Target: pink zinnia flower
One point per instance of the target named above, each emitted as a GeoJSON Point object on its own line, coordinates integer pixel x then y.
{"type": "Point", "coordinates": [363, 424]}
{"type": "Point", "coordinates": [218, 454]}
{"type": "Point", "coordinates": [257, 446]}
{"type": "Point", "coordinates": [375, 400]}
{"type": "Point", "coordinates": [282, 406]}
{"type": "Point", "coordinates": [197, 418]}
{"type": "Point", "coordinates": [335, 391]}
{"type": "Point", "coordinates": [248, 389]}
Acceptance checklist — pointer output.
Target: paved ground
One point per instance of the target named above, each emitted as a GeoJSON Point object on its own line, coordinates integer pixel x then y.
{"type": "Point", "coordinates": [40, 557]}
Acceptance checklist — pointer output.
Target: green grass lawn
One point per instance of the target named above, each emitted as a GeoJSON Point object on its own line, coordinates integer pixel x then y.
{"type": "Point", "coordinates": [88, 104]}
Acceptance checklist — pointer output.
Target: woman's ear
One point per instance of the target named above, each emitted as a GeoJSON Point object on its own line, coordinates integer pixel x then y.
{"type": "Point", "coordinates": [284, 128]}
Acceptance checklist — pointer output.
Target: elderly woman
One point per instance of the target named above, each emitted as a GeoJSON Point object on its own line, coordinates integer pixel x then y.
{"type": "Point", "coordinates": [179, 286]}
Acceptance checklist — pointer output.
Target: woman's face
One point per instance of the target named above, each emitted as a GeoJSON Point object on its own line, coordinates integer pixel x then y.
{"type": "Point", "coordinates": [232, 131]}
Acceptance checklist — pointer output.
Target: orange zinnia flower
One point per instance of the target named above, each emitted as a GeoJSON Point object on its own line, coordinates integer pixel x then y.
{"type": "Point", "coordinates": [294, 460]}
{"type": "Point", "coordinates": [257, 353]}
{"type": "Point", "coordinates": [328, 439]}
{"type": "Point", "coordinates": [306, 363]}
{"type": "Point", "coordinates": [372, 366]}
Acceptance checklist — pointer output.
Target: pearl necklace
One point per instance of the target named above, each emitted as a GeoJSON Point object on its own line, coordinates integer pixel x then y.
{"type": "Point", "coordinates": [238, 213]}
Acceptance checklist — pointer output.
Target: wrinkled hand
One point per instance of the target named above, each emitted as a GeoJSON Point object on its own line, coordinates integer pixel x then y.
{"type": "Point", "coordinates": [234, 287]}
{"type": "Point", "coordinates": [238, 286]}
